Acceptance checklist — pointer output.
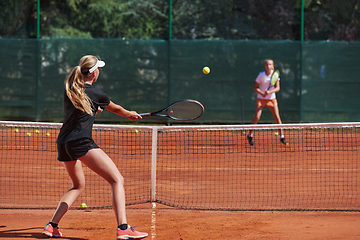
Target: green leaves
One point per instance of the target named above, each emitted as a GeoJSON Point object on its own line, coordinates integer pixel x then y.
{"type": "Point", "coordinates": [191, 19]}
{"type": "Point", "coordinates": [103, 19]}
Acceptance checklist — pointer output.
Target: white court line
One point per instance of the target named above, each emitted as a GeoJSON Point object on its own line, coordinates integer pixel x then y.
{"type": "Point", "coordinates": [153, 222]}
{"type": "Point", "coordinates": [264, 169]}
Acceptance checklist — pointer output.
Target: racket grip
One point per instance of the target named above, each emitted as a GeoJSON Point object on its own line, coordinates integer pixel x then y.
{"type": "Point", "coordinates": [145, 115]}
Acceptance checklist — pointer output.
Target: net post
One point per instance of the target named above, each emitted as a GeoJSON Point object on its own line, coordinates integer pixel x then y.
{"type": "Point", "coordinates": [153, 164]}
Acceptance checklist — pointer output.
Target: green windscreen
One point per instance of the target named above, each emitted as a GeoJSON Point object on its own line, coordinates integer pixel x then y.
{"type": "Point", "coordinates": [318, 79]}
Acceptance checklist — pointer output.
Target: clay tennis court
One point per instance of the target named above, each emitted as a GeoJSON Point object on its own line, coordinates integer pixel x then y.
{"type": "Point", "coordinates": [166, 223]}
{"type": "Point", "coordinates": [209, 185]}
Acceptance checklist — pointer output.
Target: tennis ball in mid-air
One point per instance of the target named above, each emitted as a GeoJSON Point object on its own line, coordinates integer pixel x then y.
{"type": "Point", "coordinates": [16, 130]}
{"type": "Point", "coordinates": [29, 134]}
{"type": "Point", "coordinates": [37, 131]}
{"type": "Point", "coordinates": [206, 70]}
{"type": "Point", "coordinates": [83, 206]}
{"type": "Point", "coordinates": [276, 133]}
{"type": "Point", "coordinates": [47, 134]}
{"type": "Point", "coordinates": [136, 131]}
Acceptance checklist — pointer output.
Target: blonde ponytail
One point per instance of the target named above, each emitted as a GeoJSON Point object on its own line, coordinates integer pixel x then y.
{"type": "Point", "coordinates": [75, 85]}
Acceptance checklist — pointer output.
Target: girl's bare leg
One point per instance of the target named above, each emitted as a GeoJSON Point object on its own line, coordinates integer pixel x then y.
{"type": "Point", "coordinates": [276, 115]}
{"type": "Point", "coordinates": [76, 173]}
{"type": "Point", "coordinates": [258, 112]}
{"type": "Point", "coordinates": [101, 163]}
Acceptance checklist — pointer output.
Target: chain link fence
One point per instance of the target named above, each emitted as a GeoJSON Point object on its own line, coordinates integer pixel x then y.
{"type": "Point", "coordinates": [232, 37]}
{"type": "Point", "coordinates": [196, 19]}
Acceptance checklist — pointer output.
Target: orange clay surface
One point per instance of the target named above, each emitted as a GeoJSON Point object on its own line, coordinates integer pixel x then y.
{"type": "Point", "coordinates": [169, 223]}
{"type": "Point", "coordinates": [20, 179]}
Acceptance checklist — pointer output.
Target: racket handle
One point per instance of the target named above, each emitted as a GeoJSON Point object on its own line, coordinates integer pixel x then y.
{"type": "Point", "coordinates": [145, 115]}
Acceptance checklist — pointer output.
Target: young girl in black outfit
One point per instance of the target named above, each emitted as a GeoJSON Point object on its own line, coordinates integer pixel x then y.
{"type": "Point", "coordinates": [82, 101]}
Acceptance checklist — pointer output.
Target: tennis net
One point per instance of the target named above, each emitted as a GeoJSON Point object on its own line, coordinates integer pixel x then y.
{"type": "Point", "coordinates": [192, 167]}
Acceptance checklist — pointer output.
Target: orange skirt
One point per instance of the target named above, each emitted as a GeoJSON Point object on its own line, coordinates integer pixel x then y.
{"type": "Point", "coordinates": [266, 103]}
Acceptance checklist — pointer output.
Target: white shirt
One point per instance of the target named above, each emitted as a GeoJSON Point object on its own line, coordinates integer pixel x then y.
{"type": "Point", "coordinates": [264, 82]}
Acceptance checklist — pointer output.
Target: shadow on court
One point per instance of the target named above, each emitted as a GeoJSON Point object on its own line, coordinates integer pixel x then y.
{"type": "Point", "coordinates": [27, 233]}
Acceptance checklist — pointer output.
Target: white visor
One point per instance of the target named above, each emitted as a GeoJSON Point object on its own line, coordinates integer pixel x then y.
{"type": "Point", "coordinates": [97, 65]}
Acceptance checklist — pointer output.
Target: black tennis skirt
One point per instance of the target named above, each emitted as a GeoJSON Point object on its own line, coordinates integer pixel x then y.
{"type": "Point", "coordinates": [75, 149]}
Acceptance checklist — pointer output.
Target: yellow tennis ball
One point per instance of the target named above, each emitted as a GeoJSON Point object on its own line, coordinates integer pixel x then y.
{"type": "Point", "coordinates": [136, 131]}
{"type": "Point", "coordinates": [206, 70]}
{"type": "Point", "coordinates": [37, 131]}
{"type": "Point", "coordinates": [16, 130]}
{"type": "Point", "coordinates": [47, 134]}
{"type": "Point", "coordinates": [276, 133]}
{"type": "Point", "coordinates": [83, 205]}
{"type": "Point", "coordinates": [29, 134]}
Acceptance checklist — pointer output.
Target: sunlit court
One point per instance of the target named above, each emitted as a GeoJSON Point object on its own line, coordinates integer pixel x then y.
{"type": "Point", "coordinates": [180, 120]}
{"type": "Point", "coordinates": [191, 171]}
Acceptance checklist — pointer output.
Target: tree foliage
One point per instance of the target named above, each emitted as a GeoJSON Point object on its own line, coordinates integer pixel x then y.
{"type": "Point", "coordinates": [191, 19]}
{"type": "Point", "coordinates": [103, 19]}
{"type": "Point", "coordinates": [18, 18]}
{"type": "Point", "coordinates": [334, 19]}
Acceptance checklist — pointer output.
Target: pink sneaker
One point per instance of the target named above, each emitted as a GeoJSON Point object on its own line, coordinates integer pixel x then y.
{"type": "Point", "coordinates": [130, 233]}
{"type": "Point", "coordinates": [51, 232]}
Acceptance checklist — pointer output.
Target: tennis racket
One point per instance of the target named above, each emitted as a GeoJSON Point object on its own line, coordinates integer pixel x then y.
{"type": "Point", "coordinates": [185, 110]}
{"type": "Point", "coordinates": [274, 78]}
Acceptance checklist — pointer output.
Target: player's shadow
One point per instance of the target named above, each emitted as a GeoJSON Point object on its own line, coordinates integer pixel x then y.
{"type": "Point", "coordinates": [26, 233]}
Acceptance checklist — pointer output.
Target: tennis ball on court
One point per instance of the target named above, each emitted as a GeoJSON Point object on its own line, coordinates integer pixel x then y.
{"type": "Point", "coordinates": [276, 133]}
{"type": "Point", "coordinates": [29, 134]}
{"type": "Point", "coordinates": [83, 206]}
{"type": "Point", "coordinates": [136, 131]}
{"type": "Point", "coordinates": [16, 130]}
{"type": "Point", "coordinates": [206, 70]}
{"type": "Point", "coordinates": [47, 134]}
{"type": "Point", "coordinates": [37, 131]}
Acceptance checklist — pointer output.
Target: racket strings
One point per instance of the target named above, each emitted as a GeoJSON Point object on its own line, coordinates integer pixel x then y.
{"type": "Point", "coordinates": [185, 110]}
{"type": "Point", "coordinates": [274, 78]}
